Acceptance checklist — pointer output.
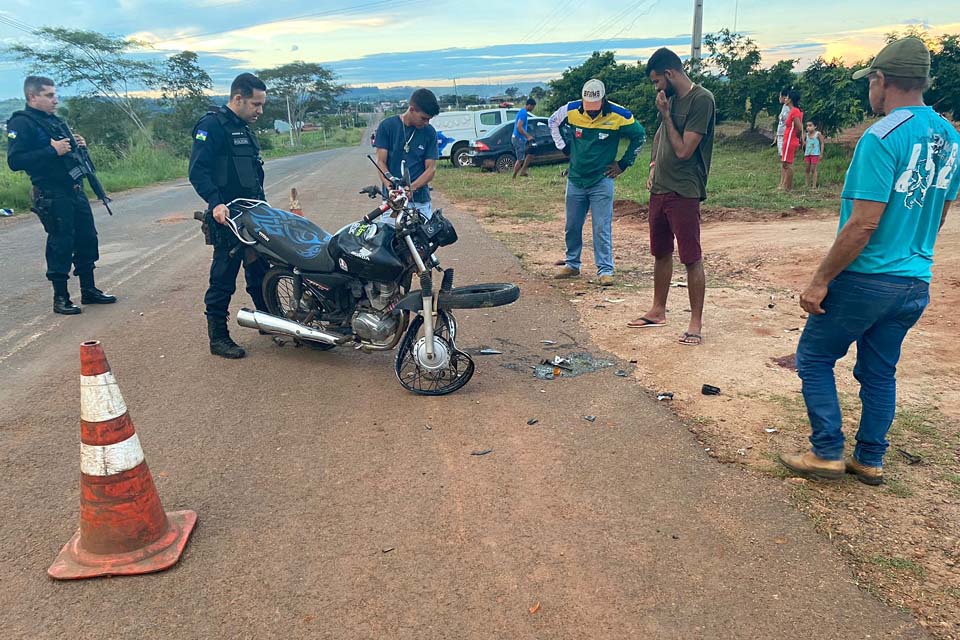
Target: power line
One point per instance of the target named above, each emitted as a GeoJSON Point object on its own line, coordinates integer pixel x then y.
{"type": "Point", "coordinates": [554, 19]}
{"type": "Point", "coordinates": [304, 16]}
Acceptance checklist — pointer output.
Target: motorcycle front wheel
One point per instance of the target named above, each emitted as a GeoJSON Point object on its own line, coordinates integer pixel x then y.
{"type": "Point", "coordinates": [449, 370]}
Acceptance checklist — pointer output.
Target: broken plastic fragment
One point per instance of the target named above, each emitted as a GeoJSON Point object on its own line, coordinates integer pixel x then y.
{"type": "Point", "coordinates": [481, 453]}
{"type": "Point", "coordinates": [910, 457]}
{"type": "Point", "coordinates": [621, 373]}
{"type": "Point", "coordinates": [489, 352]}
{"type": "Point", "coordinates": [532, 421]}
{"type": "Point", "coordinates": [666, 395]}
{"type": "Point", "coordinates": [590, 418]}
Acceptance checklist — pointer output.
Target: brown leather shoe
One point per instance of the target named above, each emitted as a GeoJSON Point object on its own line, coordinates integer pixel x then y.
{"type": "Point", "coordinates": [606, 281]}
{"type": "Point", "coordinates": [809, 465]}
{"type": "Point", "coordinates": [867, 475]}
{"type": "Point", "coordinates": [567, 272]}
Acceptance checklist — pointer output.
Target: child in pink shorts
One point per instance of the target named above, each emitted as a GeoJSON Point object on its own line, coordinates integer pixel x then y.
{"type": "Point", "coordinates": [812, 152]}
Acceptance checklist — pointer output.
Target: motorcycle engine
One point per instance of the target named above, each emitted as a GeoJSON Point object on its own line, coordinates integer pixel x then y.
{"type": "Point", "coordinates": [371, 323]}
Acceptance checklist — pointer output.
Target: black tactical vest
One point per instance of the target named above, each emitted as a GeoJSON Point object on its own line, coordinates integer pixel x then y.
{"type": "Point", "coordinates": [66, 168]}
{"type": "Point", "coordinates": [239, 169]}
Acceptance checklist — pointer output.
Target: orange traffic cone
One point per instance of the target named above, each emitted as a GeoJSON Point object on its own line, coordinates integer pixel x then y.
{"type": "Point", "coordinates": [295, 207]}
{"type": "Point", "coordinates": [123, 528]}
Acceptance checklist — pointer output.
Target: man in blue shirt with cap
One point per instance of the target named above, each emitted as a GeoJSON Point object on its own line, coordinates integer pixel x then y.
{"type": "Point", "coordinates": [873, 285]}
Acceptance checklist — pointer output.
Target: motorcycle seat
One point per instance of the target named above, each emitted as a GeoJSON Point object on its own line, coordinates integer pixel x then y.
{"type": "Point", "coordinates": [293, 238]}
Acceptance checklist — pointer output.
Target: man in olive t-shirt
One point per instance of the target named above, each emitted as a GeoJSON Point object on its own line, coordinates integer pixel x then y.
{"type": "Point", "coordinates": [682, 149]}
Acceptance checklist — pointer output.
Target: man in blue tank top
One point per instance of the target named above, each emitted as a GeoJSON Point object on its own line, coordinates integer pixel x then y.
{"type": "Point", "coordinates": [873, 285]}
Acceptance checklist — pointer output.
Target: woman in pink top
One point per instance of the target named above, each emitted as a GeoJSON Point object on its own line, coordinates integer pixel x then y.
{"type": "Point", "coordinates": [791, 140]}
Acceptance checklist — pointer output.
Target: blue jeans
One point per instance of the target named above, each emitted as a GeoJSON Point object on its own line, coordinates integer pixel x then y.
{"type": "Point", "coordinates": [875, 311]}
{"type": "Point", "coordinates": [598, 198]}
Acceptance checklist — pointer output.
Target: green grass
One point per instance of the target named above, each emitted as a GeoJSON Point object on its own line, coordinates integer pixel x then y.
{"type": "Point", "coordinates": [898, 564]}
{"type": "Point", "coordinates": [311, 141]}
{"type": "Point", "coordinates": [897, 488]}
{"type": "Point", "coordinates": [744, 173]}
{"type": "Point", "coordinates": [145, 163]}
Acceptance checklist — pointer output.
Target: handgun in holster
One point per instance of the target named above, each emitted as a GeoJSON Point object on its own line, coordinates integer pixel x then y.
{"type": "Point", "coordinates": [43, 207]}
{"type": "Point", "coordinates": [204, 217]}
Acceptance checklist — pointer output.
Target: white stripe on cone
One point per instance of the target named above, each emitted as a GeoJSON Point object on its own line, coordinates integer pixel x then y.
{"type": "Point", "coordinates": [100, 398]}
{"type": "Point", "coordinates": [110, 459]}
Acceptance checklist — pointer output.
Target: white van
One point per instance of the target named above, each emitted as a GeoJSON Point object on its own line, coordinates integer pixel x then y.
{"type": "Point", "coordinates": [457, 129]}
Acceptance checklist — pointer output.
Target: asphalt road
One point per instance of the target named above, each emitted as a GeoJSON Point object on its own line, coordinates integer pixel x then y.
{"type": "Point", "coordinates": [333, 504]}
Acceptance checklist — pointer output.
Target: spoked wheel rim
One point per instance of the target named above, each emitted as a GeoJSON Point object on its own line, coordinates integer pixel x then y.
{"type": "Point", "coordinates": [285, 303]}
{"type": "Point", "coordinates": [456, 373]}
{"type": "Point", "coordinates": [278, 294]}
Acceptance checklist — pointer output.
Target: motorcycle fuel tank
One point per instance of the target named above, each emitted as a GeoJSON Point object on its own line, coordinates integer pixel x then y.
{"type": "Point", "coordinates": [367, 251]}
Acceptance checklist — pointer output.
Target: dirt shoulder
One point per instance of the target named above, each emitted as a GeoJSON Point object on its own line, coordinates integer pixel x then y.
{"type": "Point", "coordinates": [901, 539]}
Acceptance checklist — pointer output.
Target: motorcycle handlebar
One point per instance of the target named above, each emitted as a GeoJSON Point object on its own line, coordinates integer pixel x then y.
{"type": "Point", "coordinates": [373, 215]}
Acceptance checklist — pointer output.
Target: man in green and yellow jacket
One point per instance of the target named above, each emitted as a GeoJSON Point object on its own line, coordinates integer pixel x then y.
{"type": "Point", "coordinates": [597, 125]}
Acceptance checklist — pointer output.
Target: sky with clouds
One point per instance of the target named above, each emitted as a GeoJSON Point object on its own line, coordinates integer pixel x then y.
{"type": "Point", "coordinates": [407, 42]}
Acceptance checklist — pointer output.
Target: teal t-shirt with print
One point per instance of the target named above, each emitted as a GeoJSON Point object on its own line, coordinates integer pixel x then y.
{"type": "Point", "coordinates": [908, 160]}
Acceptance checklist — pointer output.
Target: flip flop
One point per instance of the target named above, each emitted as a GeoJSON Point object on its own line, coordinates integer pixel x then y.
{"type": "Point", "coordinates": [645, 323]}
{"type": "Point", "coordinates": [691, 339]}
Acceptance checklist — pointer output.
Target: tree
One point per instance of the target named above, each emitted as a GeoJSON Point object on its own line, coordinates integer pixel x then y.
{"type": "Point", "coordinates": [567, 87]}
{"type": "Point", "coordinates": [308, 87]}
{"type": "Point", "coordinates": [830, 97]}
{"type": "Point", "coordinates": [733, 65]}
{"type": "Point", "coordinates": [763, 89]}
{"type": "Point", "coordinates": [512, 91]}
{"type": "Point", "coordinates": [538, 93]}
{"type": "Point", "coordinates": [183, 84]}
{"type": "Point", "coordinates": [944, 95]}
{"type": "Point", "coordinates": [182, 78]}
{"type": "Point", "coordinates": [99, 125]}
{"type": "Point", "coordinates": [944, 92]}
{"type": "Point", "coordinates": [101, 65]}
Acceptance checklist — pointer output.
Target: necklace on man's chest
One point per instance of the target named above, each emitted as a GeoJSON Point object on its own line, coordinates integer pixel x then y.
{"type": "Point", "coordinates": [406, 145]}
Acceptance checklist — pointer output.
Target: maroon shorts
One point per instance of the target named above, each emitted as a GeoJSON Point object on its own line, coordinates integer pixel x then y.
{"type": "Point", "coordinates": [672, 216]}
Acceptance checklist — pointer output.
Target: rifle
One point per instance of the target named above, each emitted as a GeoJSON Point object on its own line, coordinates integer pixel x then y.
{"type": "Point", "coordinates": [86, 168]}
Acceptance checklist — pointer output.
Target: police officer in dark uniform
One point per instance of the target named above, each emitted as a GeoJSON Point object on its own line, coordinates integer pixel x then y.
{"type": "Point", "coordinates": [38, 143]}
{"type": "Point", "coordinates": [225, 164]}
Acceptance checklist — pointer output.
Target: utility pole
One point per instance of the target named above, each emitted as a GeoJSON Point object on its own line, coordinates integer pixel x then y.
{"type": "Point", "coordinates": [290, 120]}
{"type": "Point", "coordinates": [455, 93]}
{"type": "Point", "coordinates": [697, 29]}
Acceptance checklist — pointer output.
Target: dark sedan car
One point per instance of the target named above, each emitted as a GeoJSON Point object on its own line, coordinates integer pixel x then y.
{"type": "Point", "coordinates": [495, 151]}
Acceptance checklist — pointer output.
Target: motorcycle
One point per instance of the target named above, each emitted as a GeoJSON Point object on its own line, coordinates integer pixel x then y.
{"type": "Point", "coordinates": [353, 288]}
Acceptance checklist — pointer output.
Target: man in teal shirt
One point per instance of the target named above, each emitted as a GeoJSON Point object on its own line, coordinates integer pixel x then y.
{"type": "Point", "coordinates": [873, 285]}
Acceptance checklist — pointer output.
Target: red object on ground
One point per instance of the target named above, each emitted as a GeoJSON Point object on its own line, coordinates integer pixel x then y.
{"type": "Point", "coordinates": [123, 528]}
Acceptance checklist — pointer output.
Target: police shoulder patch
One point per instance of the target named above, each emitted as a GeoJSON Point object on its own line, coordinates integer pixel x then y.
{"type": "Point", "coordinates": [12, 134]}
{"type": "Point", "coordinates": [201, 135]}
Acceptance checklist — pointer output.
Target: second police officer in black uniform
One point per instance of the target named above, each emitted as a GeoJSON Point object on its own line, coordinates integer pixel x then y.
{"type": "Point", "coordinates": [225, 164]}
{"type": "Point", "coordinates": [39, 143]}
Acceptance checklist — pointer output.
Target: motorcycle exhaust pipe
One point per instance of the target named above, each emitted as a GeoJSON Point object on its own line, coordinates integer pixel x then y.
{"type": "Point", "coordinates": [275, 324]}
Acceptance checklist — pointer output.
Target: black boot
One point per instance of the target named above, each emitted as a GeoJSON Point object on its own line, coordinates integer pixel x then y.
{"type": "Point", "coordinates": [220, 342]}
{"type": "Point", "coordinates": [61, 300]}
{"type": "Point", "coordinates": [95, 296]}
{"type": "Point", "coordinates": [89, 294]}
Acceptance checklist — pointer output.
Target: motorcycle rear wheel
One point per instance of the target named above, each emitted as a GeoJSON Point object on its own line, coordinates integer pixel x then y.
{"type": "Point", "coordinates": [278, 296]}
{"type": "Point", "coordinates": [422, 381]}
